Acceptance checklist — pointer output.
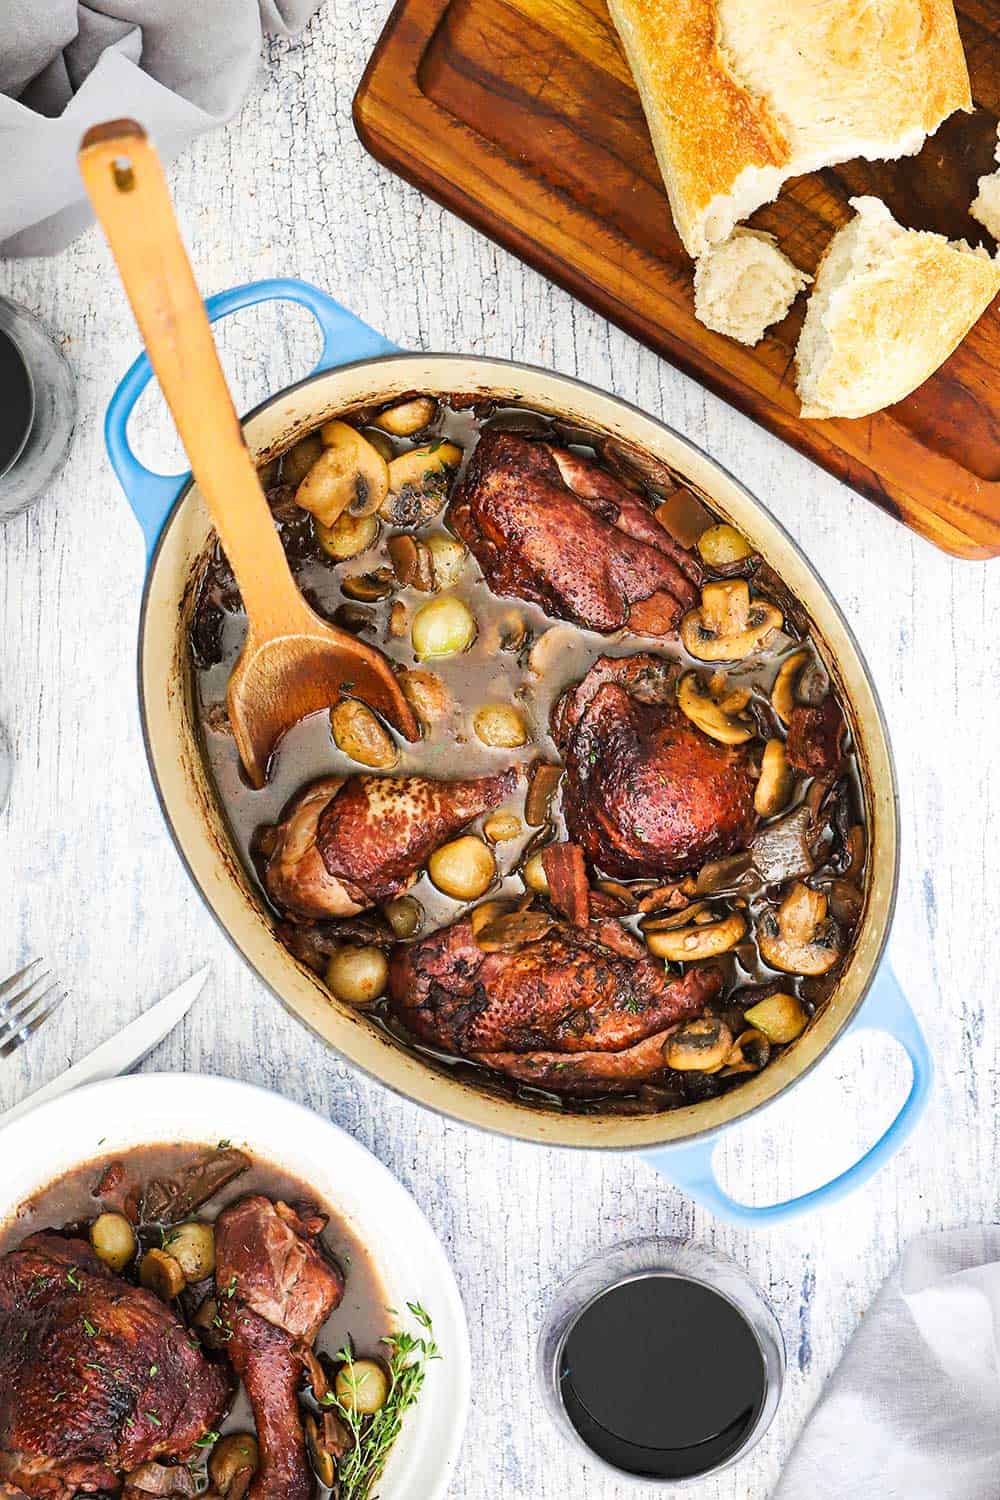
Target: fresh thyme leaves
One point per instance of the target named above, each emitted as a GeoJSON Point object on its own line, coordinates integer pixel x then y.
{"type": "Point", "coordinates": [73, 1279]}
{"type": "Point", "coordinates": [153, 1418]}
{"type": "Point", "coordinates": [89, 1328]}
{"type": "Point", "coordinates": [153, 1370]}
{"type": "Point", "coordinates": [230, 1290]}
{"type": "Point", "coordinates": [208, 1440]}
{"type": "Point", "coordinates": [408, 1356]}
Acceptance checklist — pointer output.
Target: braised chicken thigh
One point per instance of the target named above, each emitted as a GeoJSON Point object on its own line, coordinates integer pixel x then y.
{"type": "Point", "coordinates": [547, 526]}
{"type": "Point", "coordinates": [572, 1008]}
{"type": "Point", "coordinates": [346, 844]}
{"type": "Point", "coordinates": [647, 792]}
{"type": "Point", "coordinates": [96, 1375]}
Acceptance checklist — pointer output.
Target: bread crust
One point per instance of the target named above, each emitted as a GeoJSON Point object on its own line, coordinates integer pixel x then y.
{"type": "Point", "coordinates": [739, 95]}
{"type": "Point", "coordinates": [890, 322]}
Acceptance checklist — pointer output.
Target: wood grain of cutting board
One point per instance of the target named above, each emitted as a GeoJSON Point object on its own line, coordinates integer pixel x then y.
{"type": "Point", "coordinates": [521, 116]}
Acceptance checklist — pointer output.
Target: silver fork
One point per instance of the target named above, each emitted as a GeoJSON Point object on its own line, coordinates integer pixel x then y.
{"type": "Point", "coordinates": [22, 1005]}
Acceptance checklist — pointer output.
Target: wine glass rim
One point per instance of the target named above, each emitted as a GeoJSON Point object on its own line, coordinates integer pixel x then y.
{"type": "Point", "coordinates": [680, 1260]}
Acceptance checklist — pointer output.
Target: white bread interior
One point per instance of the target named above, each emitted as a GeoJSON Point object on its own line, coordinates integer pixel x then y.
{"type": "Point", "coordinates": [744, 285]}
{"type": "Point", "coordinates": [740, 95]}
{"type": "Point", "coordinates": [986, 205]}
{"type": "Point", "coordinates": [889, 306]}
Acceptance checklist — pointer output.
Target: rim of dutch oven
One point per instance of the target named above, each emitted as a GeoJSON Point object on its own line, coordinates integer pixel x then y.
{"type": "Point", "coordinates": [511, 1132]}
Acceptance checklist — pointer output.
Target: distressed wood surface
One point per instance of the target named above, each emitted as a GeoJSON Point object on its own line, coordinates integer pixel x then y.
{"type": "Point", "coordinates": [90, 878]}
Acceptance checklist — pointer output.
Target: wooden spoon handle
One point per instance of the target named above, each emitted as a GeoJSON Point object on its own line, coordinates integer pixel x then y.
{"type": "Point", "coordinates": [130, 197]}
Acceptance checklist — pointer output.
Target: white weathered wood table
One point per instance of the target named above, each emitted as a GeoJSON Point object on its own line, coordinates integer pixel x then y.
{"type": "Point", "coordinates": [90, 878]}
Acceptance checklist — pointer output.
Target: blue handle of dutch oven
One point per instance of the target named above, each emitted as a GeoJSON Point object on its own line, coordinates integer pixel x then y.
{"type": "Point", "coordinates": [151, 496]}
{"type": "Point", "coordinates": [885, 1009]}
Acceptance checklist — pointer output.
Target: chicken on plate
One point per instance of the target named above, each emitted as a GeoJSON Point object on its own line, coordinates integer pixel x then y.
{"type": "Point", "coordinates": [172, 1324]}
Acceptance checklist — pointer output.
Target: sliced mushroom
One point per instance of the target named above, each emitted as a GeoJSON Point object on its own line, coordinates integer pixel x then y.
{"type": "Point", "coordinates": [233, 1455]}
{"type": "Point", "coordinates": [783, 691]}
{"type": "Point", "coordinates": [358, 733]}
{"type": "Point", "coordinates": [407, 417]}
{"type": "Point", "coordinates": [716, 714]}
{"type": "Point", "coordinates": [750, 1052]}
{"type": "Point", "coordinates": [418, 483]}
{"type": "Point", "coordinates": [701, 1046]}
{"type": "Point", "coordinates": [368, 588]}
{"type": "Point", "coordinates": [846, 901]}
{"type": "Point", "coordinates": [776, 780]}
{"type": "Point", "coordinates": [543, 779]}
{"type": "Point", "coordinates": [697, 940]}
{"type": "Point", "coordinates": [800, 937]}
{"type": "Point", "coordinates": [855, 851]}
{"type": "Point", "coordinates": [348, 475]}
{"type": "Point", "coordinates": [699, 911]}
{"type": "Point", "coordinates": [733, 876]}
{"type": "Point", "coordinates": [729, 625]}
{"type": "Point", "coordinates": [348, 535]}
{"type": "Point", "coordinates": [323, 1461]}
{"type": "Point", "coordinates": [427, 695]}
{"type": "Point", "coordinates": [297, 462]}
{"type": "Point", "coordinates": [780, 1017]}
{"type": "Point", "coordinates": [412, 562]}
{"type": "Point", "coordinates": [161, 1274]}
{"type": "Point", "coordinates": [510, 930]}
{"type": "Point", "coordinates": [399, 620]}
{"type": "Point", "coordinates": [488, 911]}
{"type": "Point", "coordinates": [781, 851]}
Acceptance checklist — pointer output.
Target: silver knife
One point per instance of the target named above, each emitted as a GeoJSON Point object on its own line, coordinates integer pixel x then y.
{"type": "Point", "coordinates": [122, 1051]}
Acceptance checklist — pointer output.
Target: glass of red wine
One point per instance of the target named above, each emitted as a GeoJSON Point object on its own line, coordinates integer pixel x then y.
{"type": "Point", "coordinates": [662, 1361]}
{"type": "Point", "coordinates": [37, 408]}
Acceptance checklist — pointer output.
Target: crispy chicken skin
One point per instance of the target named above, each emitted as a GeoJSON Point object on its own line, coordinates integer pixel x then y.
{"type": "Point", "coordinates": [276, 1291]}
{"type": "Point", "coordinates": [575, 1010]}
{"type": "Point", "coordinates": [349, 843]}
{"type": "Point", "coordinates": [96, 1375]}
{"type": "Point", "coordinates": [548, 526]}
{"type": "Point", "coordinates": [646, 792]}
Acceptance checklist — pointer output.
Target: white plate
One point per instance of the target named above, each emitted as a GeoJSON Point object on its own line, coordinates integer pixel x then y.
{"type": "Point", "coordinates": [146, 1108]}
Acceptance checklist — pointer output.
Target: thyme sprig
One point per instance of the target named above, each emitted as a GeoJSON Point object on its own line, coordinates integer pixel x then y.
{"type": "Point", "coordinates": [362, 1465]}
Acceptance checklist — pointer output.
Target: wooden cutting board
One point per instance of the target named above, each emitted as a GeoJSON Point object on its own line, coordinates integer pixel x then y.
{"type": "Point", "coordinates": [521, 116]}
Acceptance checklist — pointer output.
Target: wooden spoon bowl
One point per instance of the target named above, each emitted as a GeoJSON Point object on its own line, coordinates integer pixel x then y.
{"type": "Point", "coordinates": [292, 663]}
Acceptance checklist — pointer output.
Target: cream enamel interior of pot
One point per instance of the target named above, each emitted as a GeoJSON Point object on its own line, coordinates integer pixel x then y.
{"type": "Point", "coordinates": [199, 830]}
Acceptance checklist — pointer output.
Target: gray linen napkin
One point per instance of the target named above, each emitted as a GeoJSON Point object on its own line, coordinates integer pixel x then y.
{"type": "Point", "coordinates": [913, 1410]}
{"type": "Point", "coordinates": [179, 67]}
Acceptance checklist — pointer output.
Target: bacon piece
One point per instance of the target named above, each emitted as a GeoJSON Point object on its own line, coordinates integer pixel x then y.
{"type": "Point", "coordinates": [566, 873]}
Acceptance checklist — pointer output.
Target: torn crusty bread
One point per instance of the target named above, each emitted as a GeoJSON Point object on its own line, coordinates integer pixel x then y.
{"type": "Point", "coordinates": [986, 206]}
{"type": "Point", "coordinates": [889, 306]}
{"type": "Point", "coordinates": [743, 286]}
{"type": "Point", "coordinates": [740, 95]}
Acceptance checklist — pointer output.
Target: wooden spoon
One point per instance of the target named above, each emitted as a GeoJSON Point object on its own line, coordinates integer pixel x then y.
{"type": "Point", "coordinates": [292, 662]}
